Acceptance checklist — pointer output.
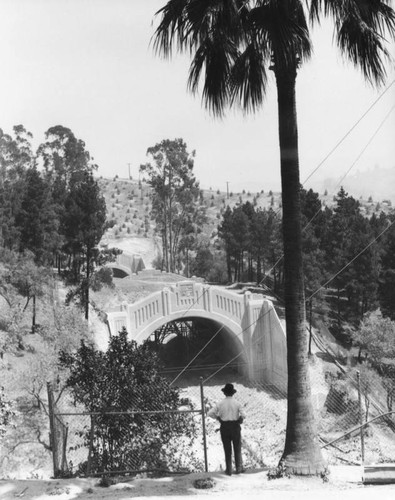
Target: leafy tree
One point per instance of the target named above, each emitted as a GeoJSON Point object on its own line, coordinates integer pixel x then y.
{"type": "Point", "coordinates": [376, 338]}
{"type": "Point", "coordinates": [64, 158]}
{"type": "Point", "coordinates": [65, 161]}
{"type": "Point", "coordinates": [351, 259]}
{"type": "Point", "coordinates": [234, 43]}
{"type": "Point", "coordinates": [235, 232]}
{"type": "Point", "coordinates": [176, 192]}
{"type": "Point", "coordinates": [203, 261]}
{"type": "Point", "coordinates": [20, 278]}
{"type": "Point", "coordinates": [252, 236]}
{"type": "Point", "coordinates": [84, 226]}
{"type": "Point", "coordinates": [314, 221]}
{"type": "Point", "coordinates": [37, 220]}
{"type": "Point", "coordinates": [61, 331]}
{"type": "Point", "coordinates": [387, 272]}
{"type": "Point", "coordinates": [16, 157]}
{"type": "Point", "coordinates": [126, 378]}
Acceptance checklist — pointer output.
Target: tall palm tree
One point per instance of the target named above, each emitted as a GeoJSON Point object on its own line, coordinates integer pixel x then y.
{"type": "Point", "coordinates": [233, 44]}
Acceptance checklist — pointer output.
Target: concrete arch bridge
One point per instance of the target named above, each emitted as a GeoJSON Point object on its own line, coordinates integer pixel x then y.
{"type": "Point", "coordinates": [126, 264]}
{"type": "Point", "coordinates": [250, 323]}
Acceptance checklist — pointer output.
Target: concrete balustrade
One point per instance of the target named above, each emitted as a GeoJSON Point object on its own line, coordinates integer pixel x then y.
{"type": "Point", "coordinates": [249, 320]}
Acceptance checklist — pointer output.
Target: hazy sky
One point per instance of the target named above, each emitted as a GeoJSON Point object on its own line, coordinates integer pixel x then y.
{"type": "Point", "coordinates": [87, 65]}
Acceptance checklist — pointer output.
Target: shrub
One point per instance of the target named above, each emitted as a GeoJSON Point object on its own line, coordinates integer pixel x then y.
{"type": "Point", "coordinates": [6, 412]}
{"type": "Point", "coordinates": [126, 378]}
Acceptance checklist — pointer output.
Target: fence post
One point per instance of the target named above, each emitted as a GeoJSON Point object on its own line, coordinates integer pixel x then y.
{"type": "Point", "coordinates": [91, 437]}
{"type": "Point", "coordinates": [361, 418]}
{"type": "Point", "coordinates": [203, 425]}
{"type": "Point", "coordinates": [52, 437]}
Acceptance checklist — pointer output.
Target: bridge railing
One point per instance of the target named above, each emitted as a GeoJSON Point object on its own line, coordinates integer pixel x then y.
{"type": "Point", "coordinates": [183, 298]}
{"type": "Point", "coordinates": [251, 321]}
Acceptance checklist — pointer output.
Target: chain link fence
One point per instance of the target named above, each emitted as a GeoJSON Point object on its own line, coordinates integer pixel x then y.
{"type": "Point", "coordinates": [352, 406]}
{"type": "Point", "coordinates": [149, 437]}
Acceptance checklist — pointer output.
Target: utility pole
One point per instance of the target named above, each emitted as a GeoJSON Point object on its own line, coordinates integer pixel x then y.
{"type": "Point", "coordinates": [227, 190]}
{"type": "Point", "coordinates": [129, 170]}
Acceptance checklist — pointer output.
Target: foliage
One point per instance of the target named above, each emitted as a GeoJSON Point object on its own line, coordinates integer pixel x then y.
{"type": "Point", "coordinates": [37, 220]}
{"type": "Point", "coordinates": [376, 338]}
{"type": "Point", "coordinates": [387, 273]}
{"type": "Point", "coordinates": [102, 277]}
{"type": "Point", "coordinates": [20, 278]}
{"type": "Point", "coordinates": [126, 378]}
{"type": "Point", "coordinates": [348, 234]}
{"type": "Point", "coordinates": [209, 263]}
{"type": "Point", "coordinates": [278, 472]}
{"type": "Point", "coordinates": [252, 242]}
{"type": "Point", "coordinates": [84, 226]}
{"type": "Point", "coordinates": [6, 412]}
{"type": "Point", "coordinates": [16, 157]}
{"type": "Point", "coordinates": [61, 331]}
{"type": "Point", "coordinates": [177, 214]}
{"type": "Point", "coordinates": [204, 483]}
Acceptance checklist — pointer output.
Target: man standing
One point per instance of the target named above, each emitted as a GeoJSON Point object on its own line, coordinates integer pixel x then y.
{"type": "Point", "coordinates": [230, 415]}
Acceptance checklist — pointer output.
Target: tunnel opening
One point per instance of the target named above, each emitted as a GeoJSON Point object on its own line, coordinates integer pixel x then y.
{"type": "Point", "coordinates": [119, 273]}
{"type": "Point", "coordinates": [205, 346]}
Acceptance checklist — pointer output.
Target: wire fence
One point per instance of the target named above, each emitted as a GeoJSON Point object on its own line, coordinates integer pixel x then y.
{"type": "Point", "coordinates": [353, 410]}
{"type": "Point", "coordinates": [142, 435]}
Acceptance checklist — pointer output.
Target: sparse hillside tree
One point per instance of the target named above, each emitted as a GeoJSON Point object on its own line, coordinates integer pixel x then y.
{"type": "Point", "coordinates": [175, 195]}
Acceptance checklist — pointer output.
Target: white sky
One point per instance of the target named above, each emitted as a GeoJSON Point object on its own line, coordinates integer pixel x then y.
{"type": "Point", "coordinates": [87, 65]}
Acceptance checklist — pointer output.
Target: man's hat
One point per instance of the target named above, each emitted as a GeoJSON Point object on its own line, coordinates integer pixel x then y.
{"type": "Point", "coordinates": [228, 390]}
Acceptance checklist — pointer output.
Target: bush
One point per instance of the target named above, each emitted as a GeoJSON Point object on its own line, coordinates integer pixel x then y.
{"type": "Point", "coordinates": [6, 412]}
{"type": "Point", "coordinates": [126, 378]}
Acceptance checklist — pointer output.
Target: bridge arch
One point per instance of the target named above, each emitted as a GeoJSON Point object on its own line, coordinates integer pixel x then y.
{"type": "Point", "coordinates": [126, 264]}
{"type": "Point", "coordinates": [223, 342]}
{"type": "Point", "coordinates": [250, 321]}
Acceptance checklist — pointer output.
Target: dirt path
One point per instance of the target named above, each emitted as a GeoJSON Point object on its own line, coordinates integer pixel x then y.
{"type": "Point", "coordinates": [345, 482]}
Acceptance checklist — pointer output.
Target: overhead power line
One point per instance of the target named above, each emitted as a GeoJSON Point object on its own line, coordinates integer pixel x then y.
{"type": "Point", "coordinates": [349, 132]}
{"type": "Point", "coordinates": [352, 260]}
{"type": "Point", "coordinates": [309, 176]}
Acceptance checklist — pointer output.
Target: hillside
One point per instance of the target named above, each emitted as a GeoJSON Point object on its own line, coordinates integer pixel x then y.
{"type": "Point", "coordinates": [376, 183]}
{"type": "Point", "coordinates": [129, 208]}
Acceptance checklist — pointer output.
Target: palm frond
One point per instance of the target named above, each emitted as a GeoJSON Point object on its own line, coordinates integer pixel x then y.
{"type": "Point", "coordinates": [213, 60]}
{"type": "Point", "coordinates": [249, 77]}
{"type": "Point", "coordinates": [186, 24]}
{"type": "Point", "coordinates": [283, 25]}
{"type": "Point", "coordinates": [360, 30]}
{"type": "Point", "coordinates": [171, 27]}
{"type": "Point", "coordinates": [364, 47]}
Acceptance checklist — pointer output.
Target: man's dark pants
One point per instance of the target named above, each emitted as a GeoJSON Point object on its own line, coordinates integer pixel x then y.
{"type": "Point", "coordinates": [230, 434]}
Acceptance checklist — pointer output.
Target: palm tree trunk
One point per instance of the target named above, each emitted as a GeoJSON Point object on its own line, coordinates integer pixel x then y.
{"type": "Point", "coordinates": [302, 454]}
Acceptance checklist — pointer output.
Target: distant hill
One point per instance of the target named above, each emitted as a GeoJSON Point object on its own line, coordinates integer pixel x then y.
{"type": "Point", "coordinates": [129, 207]}
{"type": "Point", "coordinates": [377, 183]}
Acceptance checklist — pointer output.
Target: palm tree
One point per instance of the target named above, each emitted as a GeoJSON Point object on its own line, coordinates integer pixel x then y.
{"type": "Point", "coordinates": [234, 43]}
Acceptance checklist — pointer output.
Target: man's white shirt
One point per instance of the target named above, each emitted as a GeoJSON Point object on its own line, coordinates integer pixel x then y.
{"type": "Point", "coordinates": [226, 410]}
